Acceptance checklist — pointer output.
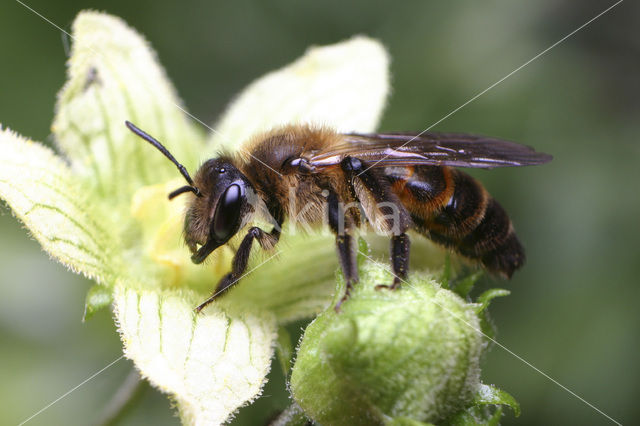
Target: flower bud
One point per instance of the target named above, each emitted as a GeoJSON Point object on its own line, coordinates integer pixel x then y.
{"type": "Point", "coordinates": [411, 353]}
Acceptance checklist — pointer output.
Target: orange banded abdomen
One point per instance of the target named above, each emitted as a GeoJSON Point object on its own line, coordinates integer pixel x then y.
{"type": "Point", "coordinates": [453, 209]}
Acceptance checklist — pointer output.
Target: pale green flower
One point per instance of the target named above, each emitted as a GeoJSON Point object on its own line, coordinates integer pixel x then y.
{"type": "Point", "coordinates": [99, 207]}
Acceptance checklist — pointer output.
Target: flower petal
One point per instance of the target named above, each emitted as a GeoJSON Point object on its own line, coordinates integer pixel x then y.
{"type": "Point", "coordinates": [44, 195]}
{"type": "Point", "coordinates": [212, 363]}
{"type": "Point", "coordinates": [114, 76]}
{"type": "Point", "coordinates": [344, 85]}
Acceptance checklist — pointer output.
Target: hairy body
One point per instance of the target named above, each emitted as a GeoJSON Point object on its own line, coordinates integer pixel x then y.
{"type": "Point", "coordinates": [392, 182]}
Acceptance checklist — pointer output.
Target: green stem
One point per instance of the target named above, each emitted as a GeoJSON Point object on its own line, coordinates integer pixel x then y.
{"type": "Point", "coordinates": [122, 400]}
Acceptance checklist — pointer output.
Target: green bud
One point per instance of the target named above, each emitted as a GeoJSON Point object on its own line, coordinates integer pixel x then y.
{"type": "Point", "coordinates": [389, 356]}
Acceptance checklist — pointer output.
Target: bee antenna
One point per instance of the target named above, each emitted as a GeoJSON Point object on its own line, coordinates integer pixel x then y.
{"type": "Point", "coordinates": [184, 189]}
{"type": "Point", "coordinates": [162, 149]}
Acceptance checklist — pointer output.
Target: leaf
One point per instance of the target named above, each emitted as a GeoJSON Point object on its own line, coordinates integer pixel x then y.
{"type": "Point", "coordinates": [480, 412]}
{"type": "Point", "coordinates": [114, 76]}
{"type": "Point", "coordinates": [464, 286]}
{"type": "Point", "coordinates": [482, 303]}
{"type": "Point", "coordinates": [475, 416]}
{"type": "Point", "coordinates": [344, 85]}
{"type": "Point", "coordinates": [211, 363]}
{"type": "Point", "coordinates": [98, 297]}
{"type": "Point", "coordinates": [490, 395]}
{"type": "Point", "coordinates": [486, 297]}
{"type": "Point", "coordinates": [445, 278]}
{"type": "Point", "coordinates": [45, 196]}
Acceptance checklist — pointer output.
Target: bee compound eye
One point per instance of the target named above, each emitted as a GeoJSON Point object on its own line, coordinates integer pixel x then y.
{"type": "Point", "coordinates": [227, 213]}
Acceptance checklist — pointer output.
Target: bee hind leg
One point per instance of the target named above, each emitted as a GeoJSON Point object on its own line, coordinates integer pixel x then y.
{"type": "Point", "coordinates": [399, 261]}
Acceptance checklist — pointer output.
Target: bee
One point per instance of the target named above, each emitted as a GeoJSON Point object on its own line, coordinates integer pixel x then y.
{"type": "Point", "coordinates": [395, 182]}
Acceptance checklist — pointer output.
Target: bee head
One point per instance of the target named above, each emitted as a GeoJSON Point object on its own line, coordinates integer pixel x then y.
{"type": "Point", "coordinates": [220, 204]}
{"type": "Point", "coordinates": [217, 215]}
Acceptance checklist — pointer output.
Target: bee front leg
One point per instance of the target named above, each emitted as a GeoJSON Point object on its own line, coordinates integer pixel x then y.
{"type": "Point", "coordinates": [241, 259]}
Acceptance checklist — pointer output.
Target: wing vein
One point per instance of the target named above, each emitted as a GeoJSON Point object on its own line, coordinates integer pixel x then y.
{"type": "Point", "coordinates": [435, 149]}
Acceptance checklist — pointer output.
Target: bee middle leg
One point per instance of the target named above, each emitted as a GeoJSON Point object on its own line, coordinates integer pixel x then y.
{"type": "Point", "coordinates": [340, 223]}
{"type": "Point", "coordinates": [371, 184]}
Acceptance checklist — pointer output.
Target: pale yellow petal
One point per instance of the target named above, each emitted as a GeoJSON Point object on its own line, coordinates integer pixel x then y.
{"type": "Point", "coordinates": [344, 86]}
{"type": "Point", "coordinates": [114, 76]}
{"type": "Point", "coordinates": [212, 363]}
{"type": "Point", "coordinates": [45, 196]}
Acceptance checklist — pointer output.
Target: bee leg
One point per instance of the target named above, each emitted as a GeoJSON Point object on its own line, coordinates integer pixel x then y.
{"type": "Point", "coordinates": [340, 224]}
{"type": "Point", "coordinates": [348, 264]}
{"type": "Point", "coordinates": [241, 259]}
{"type": "Point", "coordinates": [399, 260]}
{"type": "Point", "coordinates": [389, 213]}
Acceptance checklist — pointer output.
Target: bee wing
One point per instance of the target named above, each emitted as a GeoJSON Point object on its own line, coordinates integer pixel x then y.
{"type": "Point", "coordinates": [436, 149]}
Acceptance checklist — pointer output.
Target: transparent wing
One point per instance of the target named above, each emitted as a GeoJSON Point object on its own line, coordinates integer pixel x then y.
{"type": "Point", "coordinates": [436, 149]}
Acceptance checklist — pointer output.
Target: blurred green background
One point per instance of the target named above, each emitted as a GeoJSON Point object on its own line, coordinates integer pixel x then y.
{"type": "Point", "coordinates": [573, 312]}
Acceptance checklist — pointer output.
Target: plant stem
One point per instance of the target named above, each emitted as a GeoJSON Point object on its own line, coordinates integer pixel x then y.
{"type": "Point", "coordinates": [122, 400]}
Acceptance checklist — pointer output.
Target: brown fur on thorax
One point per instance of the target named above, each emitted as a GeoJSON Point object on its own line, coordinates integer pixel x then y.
{"type": "Point", "coordinates": [301, 197]}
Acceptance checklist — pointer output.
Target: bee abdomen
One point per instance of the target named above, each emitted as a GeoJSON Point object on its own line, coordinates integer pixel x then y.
{"type": "Point", "coordinates": [453, 209]}
{"type": "Point", "coordinates": [464, 210]}
{"type": "Point", "coordinates": [494, 242]}
{"type": "Point", "coordinates": [506, 258]}
{"type": "Point", "coordinates": [473, 223]}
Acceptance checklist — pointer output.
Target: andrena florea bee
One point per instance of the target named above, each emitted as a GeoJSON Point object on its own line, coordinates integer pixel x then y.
{"type": "Point", "coordinates": [392, 181]}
